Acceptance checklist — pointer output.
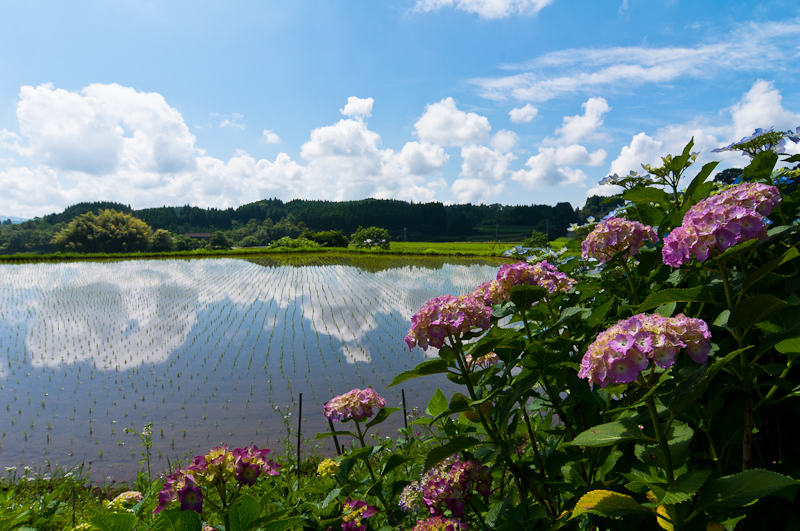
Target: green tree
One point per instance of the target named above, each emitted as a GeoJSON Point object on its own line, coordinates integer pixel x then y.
{"type": "Point", "coordinates": [370, 238]}
{"type": "Point", "coordinates": [162, 241]}
{"type": "Point", "coordinates": [537, 239]}
{"type": "Point", "coordinates": [218, 240]}
{"type": "Point", "coordinates": [108, 231]}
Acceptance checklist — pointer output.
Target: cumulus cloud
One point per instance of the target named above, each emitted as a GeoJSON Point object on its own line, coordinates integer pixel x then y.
{"type": "Point", "coordinates": [475, 190]}
{"type": "Point", "coordinates": [486, 9]}
{"type": "Point", "coordinates": [483, 163]}
{"type": "Point", "coordinates": [524, 114]}
{"type": "Point", "coordinates": [232, 123]}
{"type": "Point", "coordinates": [761, 106]}
{"type": "Point", "coordinates": [444, 124]}
{"type": "Point", "coordinates": [577, 128]}
{"type": "Point", "coordinates": [552, 166]}
{"type": "Point", "coordinates": [750, 46]}
{"type": "Point", "coordinates": [269, 137]}
{"type": "Point", "coordinates": [504, 140]}
{"type": "Point", "coordinates": [358, 107]}
{"type": "Point", "coordinates": [113, 143]}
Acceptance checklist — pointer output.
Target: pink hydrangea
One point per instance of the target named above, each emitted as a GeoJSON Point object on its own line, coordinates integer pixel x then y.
{"type": "Point", "coordinates": [541, 274]}
{"type": "Point", "coordinates": [483, 361]}
{"type": "Point", "coordinates": [721, 221]}
{"type": "Point", "coordinates": [356, 511]}
{"type": "Point", "coordinates": [622, 352]}
{"type": "Point", "coordinates": [440, 523]}
{"type": "Point", "coordinates": [446, 315]}
{"type": "Point", "coordinates": [447, 486]}
{"type": "Point", "coordinates": [614, 235]}
{"type": "Point", "coordinates": [356, 404]}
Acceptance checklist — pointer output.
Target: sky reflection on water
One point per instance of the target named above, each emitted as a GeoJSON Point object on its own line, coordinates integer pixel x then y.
{"type": "Point", "coordinates": [207, 349]}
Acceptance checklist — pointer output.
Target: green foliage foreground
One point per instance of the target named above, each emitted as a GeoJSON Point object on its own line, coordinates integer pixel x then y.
{"type": "Point", "coordinates": [690, 423]}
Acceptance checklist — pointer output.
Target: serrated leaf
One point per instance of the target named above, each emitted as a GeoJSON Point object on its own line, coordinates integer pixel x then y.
{"type": "Point", "coordinates": [700, 178]}
{"type": "Point", "coordinates": [685, 487]}
{"type": "Point", "coordinates": [609, 434]}
{"type": "Point", "coordinates": [666, 296]}
{"type": "Point", "coordinates": [690, 389]}
{"type": "Point", "coordinates": [607, 503]}
{"type": "Point", "coordinates": [382, 415]}
{"type": "Point", "coordinates": [741, 489]}
{"type": "Point", "coordinates": [646, 194]}
{"type": "Point", "coordinates": [760, 168]}
{"type": "Point", "coordinates": [762, 271]}
{"type": "Point", "coordinates": [439, 454]}
{"type": "Point", "coordinates": [789, 346]}
{"type": "Point", "coordinates": [177, 520]}
{"type": "Point", "coordinates": [437, 403]}
{"type": "Point", "coordinates": [284, 525]}
{"type": "Point", "coordinates": [754, 310]}
{"type": "Point", "coordinates": [114, 521]}
{"type": "Point", "coordinates": [599, 313]}
{"type": "Point", "coordinates": [524, 296]}
{"type": "Point", "coordinates": [435, 366]}
{"type": "Point", "coordinates": [394, 461]}
{"type": "Point", "coordinates": [243, 512]}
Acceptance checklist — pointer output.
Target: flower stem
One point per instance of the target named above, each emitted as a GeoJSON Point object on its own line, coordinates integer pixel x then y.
{"type": "Point", "coordinates": [379, 494]}
{"type": "Point", "coordinates": [630, 283]}
{"type": "Point", "coordinates": [664, 445]}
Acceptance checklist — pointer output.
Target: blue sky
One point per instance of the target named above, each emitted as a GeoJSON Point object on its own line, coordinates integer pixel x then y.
{"type": "Point", "coordinates": [494, 101]}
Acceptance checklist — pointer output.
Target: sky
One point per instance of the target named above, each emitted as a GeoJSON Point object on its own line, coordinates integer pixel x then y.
{"type": "Point", "coordinates": [219, 104]}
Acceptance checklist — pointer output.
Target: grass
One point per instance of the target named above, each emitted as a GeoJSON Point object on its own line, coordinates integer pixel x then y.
{"type": "Point", "coordinates": [443, 247]}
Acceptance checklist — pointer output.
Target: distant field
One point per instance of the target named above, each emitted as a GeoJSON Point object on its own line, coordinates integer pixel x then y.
{"type": "Point", "coordinates": [452, 246]}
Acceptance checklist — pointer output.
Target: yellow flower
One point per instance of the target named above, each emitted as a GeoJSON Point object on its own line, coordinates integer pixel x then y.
{"type": "Point", "coordinates": [327, 467]}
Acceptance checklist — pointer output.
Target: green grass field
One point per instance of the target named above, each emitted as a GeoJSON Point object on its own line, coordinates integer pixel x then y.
{"type": "Point", "coordinates": [452, 246]}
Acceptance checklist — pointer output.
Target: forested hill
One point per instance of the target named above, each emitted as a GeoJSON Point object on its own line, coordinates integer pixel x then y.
{"type": "Point", "coordinates": [421, 221]}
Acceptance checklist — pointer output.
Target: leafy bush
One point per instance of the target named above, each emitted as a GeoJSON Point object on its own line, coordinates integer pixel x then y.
{"type": "Point", "coordinates": [371, 238]}
{"type": "Point", "coordinates": [107, 232]}
{"type": "Point", "coordinates": [331, 238]}
{"type": "Point", "coordinates": [162, 241]}
{"type": "Point", "coordinates": [296, 243]}
{"type": "Point", "coordinates": [218, 240]}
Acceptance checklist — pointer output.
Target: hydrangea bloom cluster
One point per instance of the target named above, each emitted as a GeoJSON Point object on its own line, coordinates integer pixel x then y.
{"type": "Point", "coordinates": [124, 502]}
{"type": "Point", "coordinates": [446, 315]}
{"type": "Point", "coordinates": [327, 467]}
{"type": "Point", "coordinates": [522, 274]}
{"type": "Point", "coordinates": [614, 235]}
{"type": "Point", "coordinates": [714, 224]}
{"type": "Point", "coordinates": [762, 140]}
{"type": "Point", "coordinates": [440, 523]}
{"type": "Point", "coordinates": [447, 486]}
{"type": "Point", "coordinates": [483, 361]}
{"type": "Point", "coordinates": [356, 404]}
{"type": "Point", "coordinates": [622, 352]}
{"type": "Point", "coordinates": [245, 465]}
{"type": "Point", "coordinates": [356, 511]}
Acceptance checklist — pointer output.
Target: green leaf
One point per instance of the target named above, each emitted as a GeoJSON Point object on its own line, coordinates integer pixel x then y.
{"type": "Point", "coordinates": [666, 310]}
{"type": "Point", "coordinates": [609, 434]}
{"type": "Point", "coordinates": [114, 521]}
{"type": "Point", "coordinates": [327, 434]}
{"type": "Point", "coordinates": [650, 215]}
{"type": "Point", "coordinates": [599, 313]}
{"type": "Point", "coordinates": [789, 346]}
{"type": "Point", "coordinates": [437, 404]}
{"type": "Point", "coordinates": [696, 384]}
{"type": "Point", "coordinates": [434, 366]}
{"type": "Point", "coordinates": [382, 415]}
{"type": "Point", "coordinates": [679, 437]}
{"type": "Point", "coordinates": [699, 179]}
{"type": "Point", "coordinates": [524, 296]}
{"type": "Point", "coordinates": [493, 514]}
{"type": "Point", "coordinates": [243, 512]}
{"type": "Point", "coordinates": [762, 271]}
{"type": "Point", "coordinates": [754, 310]}
{"type": "Point", "coordinates": [174, 520]}
{"type": "Point", "coordinates": [285, 525]}
{"type": "Point", "coordinates": [394, 461]}
{"type": "Point", "coordinates": [439, 454]}
{"type": "Point", "coordinates": [760, 168]}
{"type": "Point", "coordinates": [685, 487]}
{"type": "Point", "coordinates": [741, 489]}
{"type": "Point", "coordinates": [607, 503]}
{"type": "Point", "coordinates": [666, 296]}
{"type": "Point", "coordinates": [646, 194]}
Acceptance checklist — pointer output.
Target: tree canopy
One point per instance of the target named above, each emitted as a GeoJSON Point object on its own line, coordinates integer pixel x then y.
{"type": "Point", "coordinates": [108, 231]}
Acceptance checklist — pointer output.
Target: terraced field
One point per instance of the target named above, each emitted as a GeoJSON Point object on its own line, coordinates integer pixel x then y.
{"type": "Point", "coordinates": [209, 350]}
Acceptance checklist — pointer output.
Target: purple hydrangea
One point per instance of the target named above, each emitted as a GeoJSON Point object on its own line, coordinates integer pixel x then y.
{"type": "Point", "coordinates": [622, 352]}
{"type": "Point", "coordinates": [446, 315]}
{"type": "Point", "coordinates": [482, 362]}
{"type": "Point", "coordinates": [356, 511]}
{"type": "Point", "coordinates": [447, 486]}
{"type": "Point", "coordinates": [440, 523]}
{"type": "Point", "coordinates": [356, 404]}
{"type": "Point", "coordinates": [614, 235]}
{"type": "Point", "coordinates": [541, 274]}
{"type": "Point", "coordinates": [721, 221]}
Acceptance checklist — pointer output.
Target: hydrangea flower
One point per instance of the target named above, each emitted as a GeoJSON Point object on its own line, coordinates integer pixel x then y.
{"type": "Point", "coordinates": [762, 140]}
{"type": "Point", "coordinates": [522, 274]}
{"type": "Point", "coordinates": [440, 523]}
{"type": "Point", "coordinates": [614, 235]}
{"type": "Point", "coordinates": [720, 221]}
{"type": "Point", "coordinates": [355, 512]}
{"type": "Point", "coordinates": [483, 361]}
{"type": "Point", "coordinates": [125, 501]}
{"type": "Point", "coordinates": [622, 352]}
{"type": "Point", "coordinates": [446, 315]}
{"type": "Point", "coordinates": [356, 404]}
{"type": "Point", "coordinates": [447, 486]}
{"type": "Point", "coordinates": [327, 467]}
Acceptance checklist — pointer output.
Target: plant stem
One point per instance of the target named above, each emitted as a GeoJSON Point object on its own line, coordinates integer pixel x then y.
{"type": "Point", "coordinates": [630, 283]}
{"type": "Point", "coordinates": [379, 494]}
{"type": "Point", "coordinates": [674, 512]}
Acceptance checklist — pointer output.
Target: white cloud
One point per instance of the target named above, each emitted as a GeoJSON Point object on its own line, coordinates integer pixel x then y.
{"type": "Point", "coordinates": [444, 124]}
{"type": "Point", "coordinates": [113, 143]}
{"type": "Point", "coordinates": [358, 107]}
{"type": "Point", "coordinates": [577, 128]}
{"type": "Point", "coordinates": [761, 106]}
{"type": "Point", "coordinates": [749, 47]}
{"type": "Point", "coordinates": [269, 137]}
{"type": "Point", "coordinates": [483, 163]}
{"type": "Point", "coordinates": [487, 9]}
{"type": "Point", "coordinates": [641, 150]}
{"type": "Point", "coordinates": [504, 140]}
{"type": "Point", "coordinates": [232, 124]}
{"type": "Point", "coordinates": [524, 114]}
{"type": "Point", "coordinates": [552, 166]}
{"type": "Point", "coordinates": [475, 190]}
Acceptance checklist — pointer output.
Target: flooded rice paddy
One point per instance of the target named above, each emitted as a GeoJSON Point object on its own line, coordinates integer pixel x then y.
{"type": "Point", "coordinates": [210, 350]}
